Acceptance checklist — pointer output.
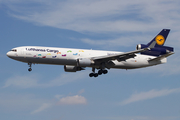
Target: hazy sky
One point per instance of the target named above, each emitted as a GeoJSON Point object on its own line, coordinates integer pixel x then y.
{"type": "Point", "coordinates": [49, 93]}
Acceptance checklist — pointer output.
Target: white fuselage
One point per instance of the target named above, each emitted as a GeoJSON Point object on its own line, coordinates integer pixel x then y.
{"type": "Point", "coordinates": [69, 56]}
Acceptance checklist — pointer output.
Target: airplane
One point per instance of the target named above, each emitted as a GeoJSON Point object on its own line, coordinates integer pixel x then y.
{"type": "Point", "coordinates": [74, 60]}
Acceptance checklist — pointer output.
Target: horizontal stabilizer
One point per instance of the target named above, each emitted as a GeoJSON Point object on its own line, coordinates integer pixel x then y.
{"type": "Point", "coordinates": [161, 57]}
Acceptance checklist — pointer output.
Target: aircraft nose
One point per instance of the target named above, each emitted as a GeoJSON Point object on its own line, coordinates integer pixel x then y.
{"type": "Point", "coordinates": [9, 54]}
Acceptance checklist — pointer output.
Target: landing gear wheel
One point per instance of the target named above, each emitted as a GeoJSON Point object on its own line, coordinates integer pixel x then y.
{"type": "Point", "coordinates": [91, 74]}
{"type": "Point", "coordinates": [29, 69]}
{"type": "Point", "coordinates": [105, 71]}
{"type": "Point", "coordinates": [100, 72]}
{"type": "Point", "coordinates": [95, 74]}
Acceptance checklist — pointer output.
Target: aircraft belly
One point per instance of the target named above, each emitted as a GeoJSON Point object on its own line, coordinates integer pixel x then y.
{"type": "Point", "coordinates": [129, 64]}
{"type": "Point", "coordinates": [46, 60]}
{"type": "Point", "coordinates": [135, 63]}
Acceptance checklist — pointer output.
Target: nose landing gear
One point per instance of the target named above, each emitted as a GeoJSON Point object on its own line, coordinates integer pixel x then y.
{"type": "Point", "coordinates": [30, 69]}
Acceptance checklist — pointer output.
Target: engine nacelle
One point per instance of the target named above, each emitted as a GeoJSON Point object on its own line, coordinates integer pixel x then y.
{"type": "Point", "coordinates": [84, 62]}
{"type": "Point", "coordinates": [138, 47]}
{"type": "Point", "coordinates": [141, 46]}
{"type": "Point", "coordinates": [69, 68]}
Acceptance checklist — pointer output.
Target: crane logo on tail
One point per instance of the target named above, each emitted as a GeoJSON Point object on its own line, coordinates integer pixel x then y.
{"type": "Point", "coordinates": [160, 40]}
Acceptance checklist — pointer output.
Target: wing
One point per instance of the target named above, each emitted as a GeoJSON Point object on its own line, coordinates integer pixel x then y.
{"type": "Point", "coordinates": [122, 56]}
{"type": "Point", "coordinates": [119, 57]}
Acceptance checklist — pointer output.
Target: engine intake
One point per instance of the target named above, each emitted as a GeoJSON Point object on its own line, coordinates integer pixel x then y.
{"type": "Point", "coordinates": [138, 47]}
{"type": "Point", "coordinates": [141, 46]}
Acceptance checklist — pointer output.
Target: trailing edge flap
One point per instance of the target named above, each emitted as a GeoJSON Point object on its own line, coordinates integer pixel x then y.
{"type": "Point", "coordinates": [120, 56]}
{"type": "Point", "coordinates": [161, 57]}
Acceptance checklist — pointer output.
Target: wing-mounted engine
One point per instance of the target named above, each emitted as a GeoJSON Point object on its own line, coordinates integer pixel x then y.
{"type": "Point", "coordinates": [81, 63]}
{"type": "Point", "coordinates": [156, 51]}
{"type": "Point", "coordinates": [70, 68]}
{"type": "Point", "coordinates": [84, 62]}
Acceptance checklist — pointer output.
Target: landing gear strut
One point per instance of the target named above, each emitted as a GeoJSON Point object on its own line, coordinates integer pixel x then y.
{"type": "Point", "coordinates": [30, 69]}
{"type": "Point", "coordinates": [100, 72]}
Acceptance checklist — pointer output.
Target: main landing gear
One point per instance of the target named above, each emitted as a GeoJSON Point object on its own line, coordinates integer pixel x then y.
{"type": "Point", "coordinates": [100, 72]}
{"type": "Point", "coordinates": [30, 69]}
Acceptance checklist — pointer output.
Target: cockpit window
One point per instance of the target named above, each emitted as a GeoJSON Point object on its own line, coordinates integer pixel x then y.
{"type": "Point", "coordinates": [14, 50]}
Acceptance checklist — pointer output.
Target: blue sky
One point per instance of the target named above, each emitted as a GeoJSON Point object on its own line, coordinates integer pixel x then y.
{"type": "Point", "coordinates": [49, 93]}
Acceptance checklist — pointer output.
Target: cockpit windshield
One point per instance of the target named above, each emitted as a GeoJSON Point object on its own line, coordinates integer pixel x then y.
{"type": "Point", "coordinates": [14, 50]}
